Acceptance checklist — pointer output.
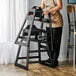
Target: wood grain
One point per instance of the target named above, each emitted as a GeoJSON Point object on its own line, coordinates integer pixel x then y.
{"type": "Point", "coordinates": [37, 70]}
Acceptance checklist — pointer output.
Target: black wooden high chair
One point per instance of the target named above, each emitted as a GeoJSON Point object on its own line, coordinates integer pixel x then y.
{"type": "Point", "coordinates": [32, 33]}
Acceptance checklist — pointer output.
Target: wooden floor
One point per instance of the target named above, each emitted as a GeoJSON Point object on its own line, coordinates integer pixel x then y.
{"type": "Point", "coordinates": [37, 70]}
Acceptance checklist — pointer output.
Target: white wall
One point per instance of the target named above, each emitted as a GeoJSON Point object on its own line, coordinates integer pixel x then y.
{"type": "Point", "coordinates": [32, 3]}
{"type": "Point", "coordinates": [63, 50]}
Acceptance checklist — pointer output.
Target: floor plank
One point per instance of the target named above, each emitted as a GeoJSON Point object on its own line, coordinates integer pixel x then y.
{"type": "Point", "coordinates": [37, 70]}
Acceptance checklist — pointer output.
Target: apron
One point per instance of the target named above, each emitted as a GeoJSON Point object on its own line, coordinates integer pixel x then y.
{"type": "Point", "coordinates": [56, 17]}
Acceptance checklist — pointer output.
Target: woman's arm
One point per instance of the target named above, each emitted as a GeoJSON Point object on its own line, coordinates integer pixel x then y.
{"type": "Point", "coordinates": [42, 5]}
{"type": "Point", "coordinates": [56, 8]}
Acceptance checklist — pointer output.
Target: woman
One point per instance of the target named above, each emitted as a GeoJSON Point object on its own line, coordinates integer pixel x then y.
{"type": "Point", "coordinates": [53, 8]}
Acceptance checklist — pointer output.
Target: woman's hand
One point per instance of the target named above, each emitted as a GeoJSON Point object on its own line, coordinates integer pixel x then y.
{"type": "Point", "coordinates": [46, 12]}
